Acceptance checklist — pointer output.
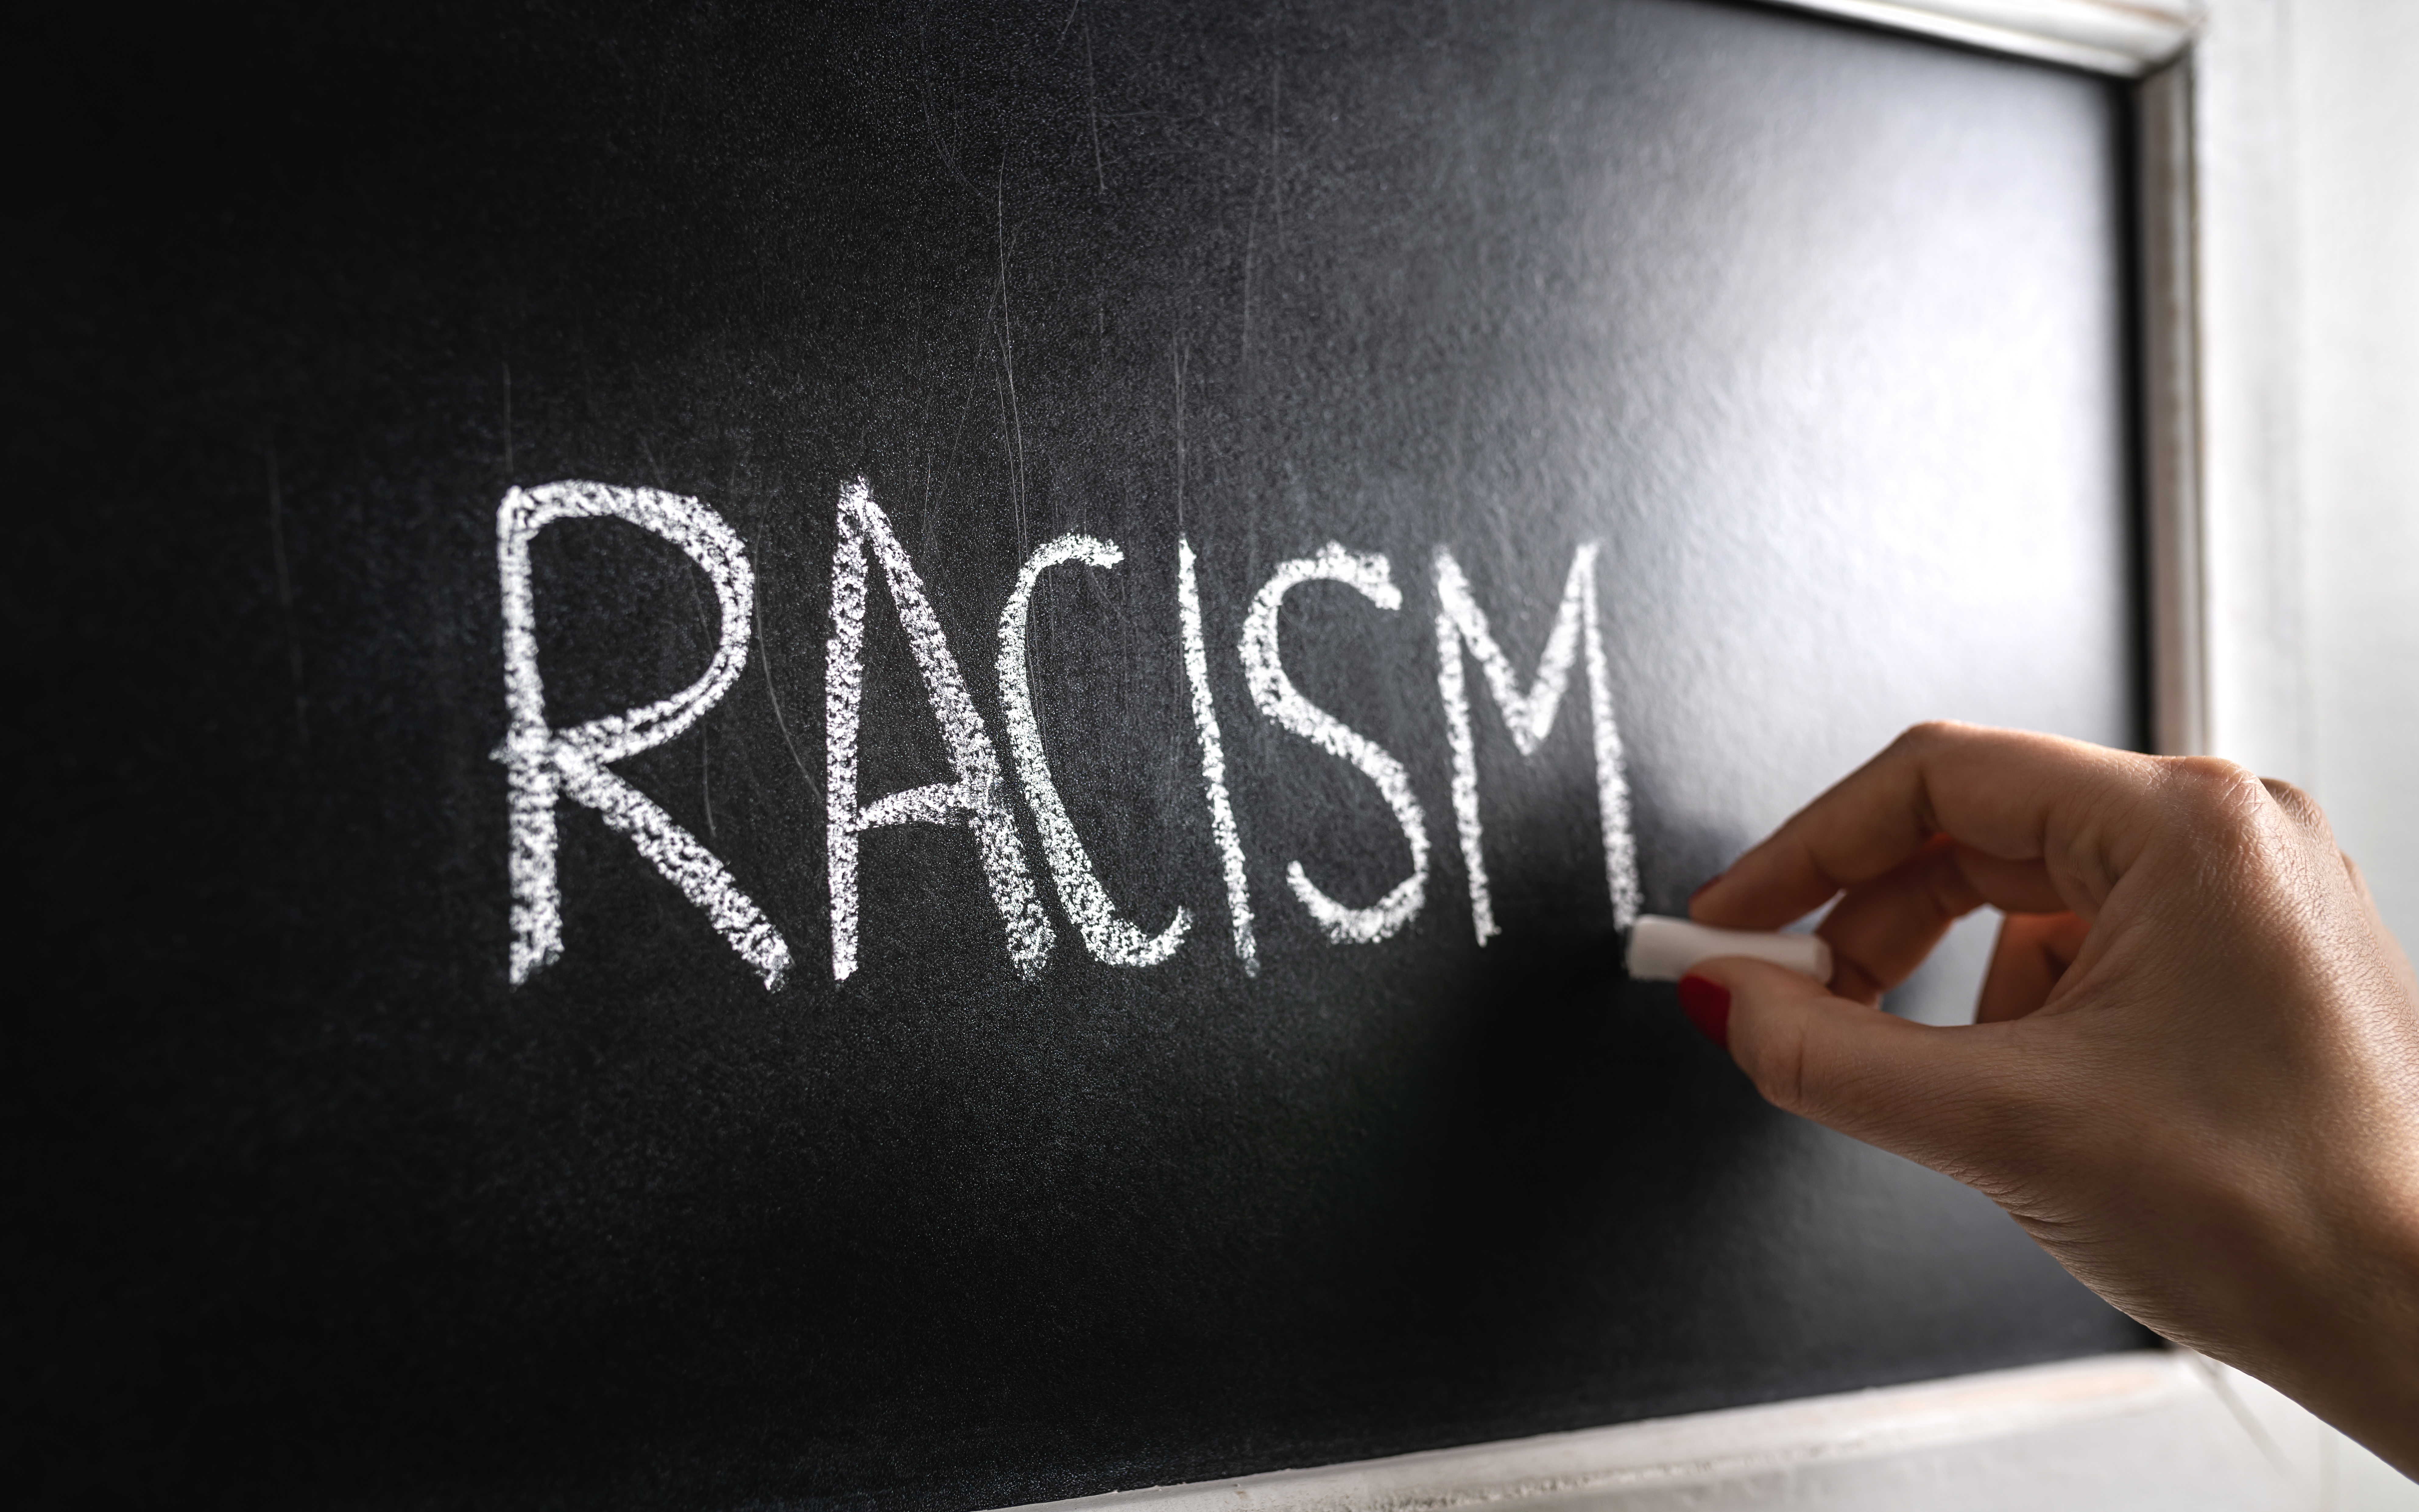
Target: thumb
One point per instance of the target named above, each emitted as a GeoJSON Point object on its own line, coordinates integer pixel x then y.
{"type": "Point", "coordinates": [1930, 1094]}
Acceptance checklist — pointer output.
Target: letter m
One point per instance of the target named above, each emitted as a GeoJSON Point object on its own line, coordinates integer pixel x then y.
{"type": "Point", "coordinates": [1460, 628]}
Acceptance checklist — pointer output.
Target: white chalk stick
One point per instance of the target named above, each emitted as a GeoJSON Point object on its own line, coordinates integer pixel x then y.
{"type": "Point", "coordinates": [1663, 949]}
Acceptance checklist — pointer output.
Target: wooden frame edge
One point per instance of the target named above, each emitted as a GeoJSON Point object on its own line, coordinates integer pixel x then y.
{"type": "Point", "coordinates": [2174, 536]}
{"type": "Point", "coordinates": [2125, 38]}
{"type": "Point", "coordinates": [1701, 1455]}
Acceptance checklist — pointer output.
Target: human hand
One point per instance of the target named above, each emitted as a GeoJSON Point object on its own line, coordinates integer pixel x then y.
{"type": "Point", "coordinates": [2193, 1073]}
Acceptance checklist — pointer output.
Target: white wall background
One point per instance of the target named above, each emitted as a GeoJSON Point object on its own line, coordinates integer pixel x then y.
{"type": "Point", "coordinates": [2309, 253]}
{"type": "Point", "coordinates": [2309, 248]}
{"type": "Point", "coordinates": [2354, 84]}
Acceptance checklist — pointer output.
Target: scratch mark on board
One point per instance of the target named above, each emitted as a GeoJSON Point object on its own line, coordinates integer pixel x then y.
{"type": "Point", "coordinates": [931, 123]}
{"type": "Point", "coordinates": [1008, 362]}
{"type": "Point", "coordinates": [286, 600]}
{"type": "Point", "coordinates": [704, 733]}
{"type": "Point", "coordinates": [1177, 358]}
{"type": "Point", "coordinates": [1092, 104]}
{"type": "Point", "coordinates": [780, 719]}
{"type": "Point", "coordinates": [1268, 182]}
{"type": "Point", "coordinates": [966, 410]}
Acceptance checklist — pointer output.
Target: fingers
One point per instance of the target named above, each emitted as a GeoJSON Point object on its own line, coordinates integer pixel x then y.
{"type": "Point", "coordinates": [2033, 952]}
{"type": "Point", "coordinates": [2080, 809]}
{"type": "Point", "coordinates": [1882, 930]}
{"type": "Point", "coordinates": [1930, 1094]}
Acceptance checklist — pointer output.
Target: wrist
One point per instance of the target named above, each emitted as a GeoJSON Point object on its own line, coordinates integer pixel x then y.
{"type": "Point", "coordinates": [2336, 1326]}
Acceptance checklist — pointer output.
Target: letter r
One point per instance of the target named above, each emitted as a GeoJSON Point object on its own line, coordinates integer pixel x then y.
{"type": "Point", "coordinates": [546, 766]}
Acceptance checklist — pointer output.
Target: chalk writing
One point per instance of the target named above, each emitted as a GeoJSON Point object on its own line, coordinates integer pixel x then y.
{"type": "Point", "coordinates": [1107, 936]}
{"type": "Point", "coordinates": [1460, 625]}
{"type": "Point", "coordinates": [976, 799]}
{"type": "Point", "coordinates": [1213, 761]}
{"type": "Point", "coordinates": [1273, 693]}
{"type": "Point", "coordinates": [543, 766]}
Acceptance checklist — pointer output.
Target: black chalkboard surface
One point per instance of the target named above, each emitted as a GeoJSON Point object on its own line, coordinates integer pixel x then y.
{"type": "Point", "coordinates": [618, 616]}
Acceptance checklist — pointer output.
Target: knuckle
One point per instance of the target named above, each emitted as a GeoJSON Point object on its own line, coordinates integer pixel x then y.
{"type": "Point", "coordinates": [2214, 792]}
{"type": "Point", "coordinates": [2288, 793]}
{"type": "Point", "coordinates": [2228, 807]}
{"type": "Point", "coordinates": [2298, 805]}
{"type": "Point", "coordinates": [1929, 734]}
{"type": "Point", "coordinates": [2214, 773]}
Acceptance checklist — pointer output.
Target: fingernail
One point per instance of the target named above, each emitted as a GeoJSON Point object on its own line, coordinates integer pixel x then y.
{"type": "Point", "coordinates": [1707, 1003]}
{"type": "Point", "coordinates": [1707, 883]}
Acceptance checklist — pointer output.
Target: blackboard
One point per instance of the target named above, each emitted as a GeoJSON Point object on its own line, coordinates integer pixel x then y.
{"type": "Point", "coordinates": [400, 1130]}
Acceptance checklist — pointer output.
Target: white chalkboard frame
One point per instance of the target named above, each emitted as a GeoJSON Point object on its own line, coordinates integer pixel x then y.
{"type": "Point", "coordinates": [2120, 1432]}
{"type": "Point", "coordinates": [2129, 39]}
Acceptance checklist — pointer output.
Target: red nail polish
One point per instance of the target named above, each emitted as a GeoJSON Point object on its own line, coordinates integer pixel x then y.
{"type": "Point", "coordinates": [1707, 1003]}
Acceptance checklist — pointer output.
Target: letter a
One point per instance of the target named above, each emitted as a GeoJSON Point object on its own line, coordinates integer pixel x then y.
{"type": "Point", "coordinates": [977, 799]}
{"type": "Point", "coordinates": [543, 766]}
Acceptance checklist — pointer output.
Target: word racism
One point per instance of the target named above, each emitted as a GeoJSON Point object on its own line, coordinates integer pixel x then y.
{"type": "Point", "coordinates": [548, 765]}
